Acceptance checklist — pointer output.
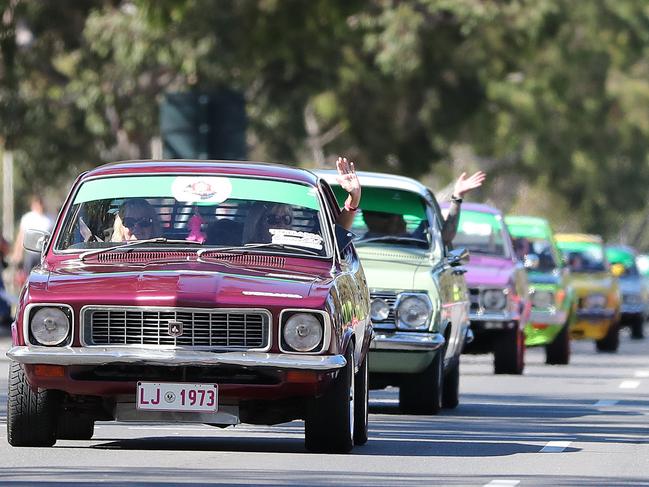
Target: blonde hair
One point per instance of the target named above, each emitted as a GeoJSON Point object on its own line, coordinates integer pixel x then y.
{"type": "Point", "coordinates": [135, 203]}
{"type": "Point", "coordinates": [255, 227]}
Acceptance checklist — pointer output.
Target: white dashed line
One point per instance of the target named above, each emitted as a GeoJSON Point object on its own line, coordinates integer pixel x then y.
{"type": "Point", "coordinates": [502, 483]}
{"type": "Point", "coordinates": [641, 374]}
{"type": "Point", "coordinates": [629, 384]}
{"type": "Point", "coordinates": [606, 402]}
{"type": "Point", "coordinates": [555, 446]}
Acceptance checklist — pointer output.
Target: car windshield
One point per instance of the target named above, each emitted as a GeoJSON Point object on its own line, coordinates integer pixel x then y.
{"type": "Point", "coordinates": [539, 247]}
{"type": "Point", "coordinates": [196, 211]}
{"type": "Point", "coordinates": [390, 216]}
{"type": "Point", "coordinates": [584, 256]}
{"type": "Point", "coordinates": [482, 233]}
{"type": "Point", "coordinates": [622, 256]}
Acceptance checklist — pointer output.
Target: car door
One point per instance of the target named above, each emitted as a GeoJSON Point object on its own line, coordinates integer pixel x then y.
{"type": "Point", "coordinates": [452, 284]}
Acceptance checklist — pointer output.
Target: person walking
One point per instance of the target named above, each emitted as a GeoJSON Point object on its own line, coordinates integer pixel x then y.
{"type": "Point", "coordinates": [34, 219]}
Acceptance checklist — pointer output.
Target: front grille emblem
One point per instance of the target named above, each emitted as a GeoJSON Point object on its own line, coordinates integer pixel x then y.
{"type": "Point", "coordinates": [175, 328]}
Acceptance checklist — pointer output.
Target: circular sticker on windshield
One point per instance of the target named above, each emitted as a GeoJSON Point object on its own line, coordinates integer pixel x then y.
{"type": "Point", "coordinates": [201, 189]}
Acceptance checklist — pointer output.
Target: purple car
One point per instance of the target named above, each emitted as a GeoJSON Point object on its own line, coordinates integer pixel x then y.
{"type": "Point", "coordinates": [498, 287]}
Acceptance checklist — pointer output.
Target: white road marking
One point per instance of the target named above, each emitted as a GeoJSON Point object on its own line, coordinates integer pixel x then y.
{"type": "Point", "coordinates": [502, 483]}
{"type": "Point", "coordinates": [555, 446]}
{"type": "Point", "coordinates": [629, 384]}
{"type": "Point", "coordinates": [641, 373]}
{"type": "Point", "coordinates": [606, 402]}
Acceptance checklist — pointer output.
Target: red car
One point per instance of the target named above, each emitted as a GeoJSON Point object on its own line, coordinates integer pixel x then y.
{"type": "Point", "coordinates": [193, 291]}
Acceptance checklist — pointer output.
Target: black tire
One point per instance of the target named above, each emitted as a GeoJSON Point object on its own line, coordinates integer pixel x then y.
{"type": "Point", "coordinates": [72, 426]}
{"type": "Point", "coordinates": [637, 328]}
{"type": "Point", "coordinates": [422, 393]}
{"type": "Point", "coordinates": [558, 352]}
{"type": "Point", "coordinates": [31, 415]}
{"type": "Point", "coordinates": [451, 392]}
{"type": "Point", "coordinates": [611, 342]}
{"type": "Point", "coordinates": [329, 425]}
{"type": "Point", "coordinates": [509, 352]}
{"type": "Point", "coordinates": [361, 398]}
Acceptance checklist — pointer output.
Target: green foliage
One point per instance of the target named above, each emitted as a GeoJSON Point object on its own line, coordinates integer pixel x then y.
{"type": "Point", "coordinates": [556, 91]}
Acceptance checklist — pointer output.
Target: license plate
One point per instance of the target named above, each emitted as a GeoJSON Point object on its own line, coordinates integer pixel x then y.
{"type": "Point", "coordinates": [166, 396]}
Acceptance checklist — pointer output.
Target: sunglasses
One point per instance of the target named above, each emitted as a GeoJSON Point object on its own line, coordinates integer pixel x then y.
{"type": "Point", "coordinates": [279, 219]}
{"type": "Point", "coordinates": [144, 222]}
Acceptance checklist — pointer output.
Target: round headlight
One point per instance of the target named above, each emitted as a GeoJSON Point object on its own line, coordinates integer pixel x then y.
{"type": "Point", "coordinates": [494, 299]}
{"type": "Point", "coordinates": [413, 312]}
{"type": "Point", "coordinates": [379, 310]}
{"type": "Point", "coordinates": [542, 299]}
{"type": "Point", "coordinates": [302, 332]}
{"type": "Point", "coordinates": [50, 326]}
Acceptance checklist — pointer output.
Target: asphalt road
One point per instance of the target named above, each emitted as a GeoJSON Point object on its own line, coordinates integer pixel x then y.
{"type": "Point", "coordinates": [582, 424]}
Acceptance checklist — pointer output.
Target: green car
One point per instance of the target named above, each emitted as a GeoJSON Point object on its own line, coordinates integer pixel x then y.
{"type": "Point", "coordinates": [553, 298]}
{"type": "Point", "coordinates": [419, 298]}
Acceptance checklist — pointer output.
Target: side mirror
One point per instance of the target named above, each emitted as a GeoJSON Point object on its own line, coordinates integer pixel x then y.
{"type": "Point", "coordinates": [531, 261]}
{"type": "Point", "coordinates": [617, 270]}
{"type": "Point", "coordinates": [458, 257]}
{"type": "Point", "coordinates": [35, 240]}
{"type": "Point", "coordinates": [344, 237]}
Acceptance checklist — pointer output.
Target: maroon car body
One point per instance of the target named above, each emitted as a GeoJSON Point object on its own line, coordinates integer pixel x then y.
{"type": "Point", "coordinates": [209, 293]}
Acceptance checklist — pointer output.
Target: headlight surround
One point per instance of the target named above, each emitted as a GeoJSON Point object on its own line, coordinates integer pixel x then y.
{"type": "Point", "coordinates": [49, 325]}
{"type": "Point", "coordinates": [413, 311]}
{"type": "Point", "coordinates": [597, 301]}
{"type": "Point", "coordinates": [542, 299]}
{"type": "Point", "coordinates": [302, 332]}
{"type": "Point", "coordinates": [494, 299]}
{"type": "Point", "coordinates": [379, 310]}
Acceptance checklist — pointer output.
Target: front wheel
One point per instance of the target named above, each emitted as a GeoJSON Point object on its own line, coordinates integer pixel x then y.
{"type": "Point", "coordinates": [637, 328]}
{"type": "Point", "coordinates": [558, 352]}
{"type": "Point", "coordinates": [451, 392]}
{"type": "Point", "coordinates": [422, 393]}
{"type": "Point", "coordinates": [329, 425]}
{"type": "Point", "coordinates": [611, 342]}
{"type": "Point", "coordinates": [361, 399]}
{"type": "Point", "coordinates": [509, 352]}
{"type": "Point", "coordinates": [31, 415]}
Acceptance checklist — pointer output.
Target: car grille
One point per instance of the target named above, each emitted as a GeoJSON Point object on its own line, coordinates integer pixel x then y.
{"type": "Point", "coordinates": [389, 297]}
{"type": "Point", "coordinates": [474, 298]}
{"type": "Point", "coordinates": [222, 329]}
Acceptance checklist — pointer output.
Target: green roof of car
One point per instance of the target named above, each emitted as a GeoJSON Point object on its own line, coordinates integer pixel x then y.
{"type": "Point", "coordinates": [528, 226]}
{"type": "Point", "coordinates": [620, 255]}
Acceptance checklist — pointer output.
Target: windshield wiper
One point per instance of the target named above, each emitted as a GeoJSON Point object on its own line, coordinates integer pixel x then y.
{"type": "Point", "coordinates": [249, 246]}
{"type": "Point", "coordinates": [135, 243]}
{"type": "Point", "coordinates": [391, 239]}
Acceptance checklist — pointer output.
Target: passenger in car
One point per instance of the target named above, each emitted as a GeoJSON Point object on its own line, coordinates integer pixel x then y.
{"type": "Point", "coordinates": [136, 219]}
{"type": "Point", "coordinates": [264, 216]}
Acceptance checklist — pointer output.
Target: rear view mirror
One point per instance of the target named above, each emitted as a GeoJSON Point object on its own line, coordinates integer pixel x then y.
{"type": "Point", "coordinates": [35, 240]}
{"type": "Point", "coordinates": [344, 237]}
{"type": "Point", "coordinates": [458, 257]}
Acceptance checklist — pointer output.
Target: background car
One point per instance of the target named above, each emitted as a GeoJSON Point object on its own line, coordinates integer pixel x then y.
{"type": "Point", "coordinates": [635, 295]}
{"type": "Point", "coordinates": [193, 291]}
{"type": "Point", "coordinates": [498, 287]}
{"type": "Point", "coordinates": [597, 290]}
{"type": "Point", "coordinates": [553, 304]}
{"type": "Point", "coordinates": [419, 298]}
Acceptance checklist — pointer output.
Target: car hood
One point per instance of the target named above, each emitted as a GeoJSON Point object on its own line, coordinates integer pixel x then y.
{"type": "Point", "coordinates": [392, 267]}
{"type": "Point", "coordinates": [535, 277]}
{"type": "Point", "coordinates": [483, 270]}
{"type": "Point", "coordinates": [585, 283]}
{"type": "Point", "coordinates": [186, 284]}
{"type": "Point", "coordinates": [631, 285]}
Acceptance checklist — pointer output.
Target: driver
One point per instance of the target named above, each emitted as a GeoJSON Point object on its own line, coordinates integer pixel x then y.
{"type": "Point", "coordinates": [136, 219]}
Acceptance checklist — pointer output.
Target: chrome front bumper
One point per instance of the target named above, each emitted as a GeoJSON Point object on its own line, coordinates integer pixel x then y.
{"type": "Point", "coordinates": [549, 317]}
{"type": "Point", "coordinates": [407, 341]}
{"type": "Point", "coordinates": [595, 314]}
{"type": "Point", "coordinates": [506, 316]}
{"type": "Point", "coordinates": [134, 355]}
{"type": "Point", "coordinates": [633, 309]}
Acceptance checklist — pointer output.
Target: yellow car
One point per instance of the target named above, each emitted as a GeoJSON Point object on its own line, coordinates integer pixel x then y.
{"type": "Point", "coordinates": [597, 289]}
